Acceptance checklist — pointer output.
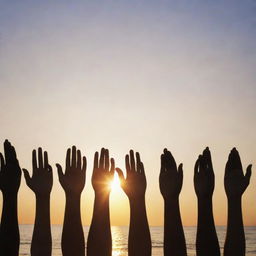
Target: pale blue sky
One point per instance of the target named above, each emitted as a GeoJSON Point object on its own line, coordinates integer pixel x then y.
{"type": "Point", "coordinates": [130, 74]}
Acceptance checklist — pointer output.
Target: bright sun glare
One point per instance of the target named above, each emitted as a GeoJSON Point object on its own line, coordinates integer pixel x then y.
{"type": "Point", "coordinates": [115, 184]}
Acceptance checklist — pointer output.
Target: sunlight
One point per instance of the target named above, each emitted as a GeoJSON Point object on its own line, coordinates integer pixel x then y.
{"type": "Point", "coordinates": [115, 184]}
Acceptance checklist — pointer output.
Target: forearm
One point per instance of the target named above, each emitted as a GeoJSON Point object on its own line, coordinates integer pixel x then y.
{"type": "Point", "coordinates": [206, 239]}
{"type": "Point", "coordinates": [72, 235]}
{"type": "Point", "coordinates": [235, 239]}
{"type": "Point", "coordinates": [99, 238]}
{"type": "Point", "coordinates": [9, 230]}
{"type": "Point", "coordinates": [139, 234]}
{"type": "Point", "coordinates": [174, 239]}
{"type": "Point", "coordinates": [42, 240]}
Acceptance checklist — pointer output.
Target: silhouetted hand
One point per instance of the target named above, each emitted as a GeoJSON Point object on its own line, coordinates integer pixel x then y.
{"type": "Point", "coordinates": [103, 172]}
{"type": "Point", "coordinates": [171, 178]}
{"type": "Point", "coordinates": [204, 175]}
{"type": "Point", "coordinates": [135, 183]}
{"type": "Point", "coordinates": [73, 180]}
{"type": "Point", "coordinates": [10, 172]}
{"type": "Point", "coordinates": [41, 180]}
{"type": "Point", "coordinates": [235, 181]}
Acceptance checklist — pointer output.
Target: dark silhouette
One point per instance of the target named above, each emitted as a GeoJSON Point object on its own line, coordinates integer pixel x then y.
{"type": "Point", "coordinates": [73, 181]}
{"type": "Point", "coordinates": [99, 238]}
{"type": "Point", "coordinates": [206, 239]}
{"type": "Point", "coordinates": [170, 181]}
{"type": "Point", "coordinates": [41, 184]}
{"type": "Point", "coordinates": [10, 176]}
{"type": "Point", "coordinates": [134, 185]}
{"type": "Point", "coordinates": [235, 184]}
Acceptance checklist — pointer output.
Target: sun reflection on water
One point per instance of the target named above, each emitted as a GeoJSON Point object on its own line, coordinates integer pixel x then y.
{"type": "Point", "coordinates": [119, 241]}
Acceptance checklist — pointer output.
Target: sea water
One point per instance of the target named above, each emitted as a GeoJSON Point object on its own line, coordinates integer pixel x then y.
{"type": "Point", "coordinates": [120, 239]}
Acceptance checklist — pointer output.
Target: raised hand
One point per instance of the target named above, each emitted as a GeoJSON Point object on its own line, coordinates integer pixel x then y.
{"type": "Point", "coordinates": [103, 172]}
{"type": "Point", "coordinates": [204, 175]}
{"type": "Point", "coordinates": [10, 176]}
{"type": "Point", "coordinates": [41, 181]}
{"type": "Point", "coordinates": [73, 180]}
{"type": "Point", "coordinates": [235, 181]}
{"type": "Point", "coordinates": [41, 184]}
{"type": "Point", "coordinates": [10, 172]}
{"type": "Point", "coordinates": [171, 178]}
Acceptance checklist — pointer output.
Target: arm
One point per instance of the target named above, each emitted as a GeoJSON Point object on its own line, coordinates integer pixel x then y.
{"type": "Point", "coordinates": [206, 239]}
{"type": "Point", "coordinates": [99, 238]}
{"type": "Point", "coordinates": [73, 181]}
{"type": "Point", "coordinates": [135, 187]}
{"type": "Point", "coordinates": [235, 184]}
{"type": "Point", "coordinates": [170, 181]}
{"type": "Point", "coordinates": [10, 175]}
{"type": "Point", "coordinates": [41, 184]}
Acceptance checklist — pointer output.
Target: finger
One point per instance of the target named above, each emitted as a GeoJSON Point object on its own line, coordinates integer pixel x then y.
{"type": "Point", "coordinates": [102, 156]}
{"type": "Point", "coordinates": [203, 164]}
{"type": "Point", "coordinates": [248, 174]}
{"type": "Point", "coordinates": [73, 158]}
{"type": "Point", "coordinates": [7, 152]}
{"type": "Point", "coordinates": [106, 162]}
{"type": "Point", "coordinates": [1, 160]}
{"type": "Point", "coordinates": [132, 161]}
{"type": "Point", "coordinates": [79, 160]}
{"type": "Point", "coordinates": [138, 162]}
{"type": "Point", "coordinates": [237, 161]}
{"type": "Point", "coordinates": [180, 171]}
{"type": "Point", "coordinates": [13, 154]}
{"type": "Point", "coordinates": [142, 171]}
{"type": "Point", "coordinates": [68, 159]}
{"type": "Point", "coordinates": [34, 160]}
{"type": "Point", "coordinates": [170, 161]}
{"type": "Point", "coordinates": [196, 167]}
{"type": "Point", "coordinates": [127, 165]}
{"type": "Point", "coordinates": [162, 169]}
{"type": "Point", "coordinates": [49, 168]}
{"type": "Point", "coordinates": [40, 158]}
{"type": "Point", "coordinates": [27, 177]}
{"type": "Point", "coordinates": [207, 154]}
{"type": "Point", "coordinates": [84, 164]}
{"type": "Point", "coordinates": [96, 161]}
{"type": "Point", "coordinates": [60, 172]}
{"type": "Point", "coordinates": [120, 175]}
{"type": "Point", "coordinates": [46, 164]}
{"type": "Point", "coordinates": [112, 168]}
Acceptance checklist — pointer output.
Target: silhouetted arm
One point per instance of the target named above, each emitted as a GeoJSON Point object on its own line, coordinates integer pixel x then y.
{"type": "Point", "coordinates": [134, 186]}
{"type": "Point", "coordinates": [206, 239]}
{"type": "Point", "coordinates": [41, 184]}
{"type": "Point", "coordinates": [235, 185]}
{"type": "Point", "coordinates": [170, 181]}
{"type": "Point", "coordinates": [10, 175]}
{"type": "Point", "coordinates": [73, 181]}
{"type": "Point", "coordinates": [99, 238]}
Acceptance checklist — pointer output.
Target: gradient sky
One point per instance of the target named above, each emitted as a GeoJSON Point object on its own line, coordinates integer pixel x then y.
{"type": "Point", "coordinates": [144, 74]}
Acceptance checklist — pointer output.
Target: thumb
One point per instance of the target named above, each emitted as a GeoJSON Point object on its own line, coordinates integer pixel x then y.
{"type": "Point", "coordinates": [27, 177]}
{"type": "Point", "coordinates": [180, 170]}
{"type": "Point", "coordinates": [248, 174]}
{"type": "Point", "coordinates": [59, 169]}
{"type": "Point", "coordinates": [120, 174]}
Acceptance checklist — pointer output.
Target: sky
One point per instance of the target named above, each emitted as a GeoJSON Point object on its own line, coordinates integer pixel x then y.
{"type": "Point", "coordinates": [142, 75]}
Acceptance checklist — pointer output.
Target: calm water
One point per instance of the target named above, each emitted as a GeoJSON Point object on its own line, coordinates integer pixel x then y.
{"type": "Point", "coordinates": [120, 235]}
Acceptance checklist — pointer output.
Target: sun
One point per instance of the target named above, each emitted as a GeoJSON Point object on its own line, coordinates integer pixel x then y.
{"type": "Point", "coordinates": [115, 184]}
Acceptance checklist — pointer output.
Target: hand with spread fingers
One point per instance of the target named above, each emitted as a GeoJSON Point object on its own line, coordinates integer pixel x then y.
{"type": "Point", "coordinates": [100, 243]}
{"type": "Point", "coordinates": [103, 172]}
{"type": "Point", "coordinates": [73, 180]}
{"type": "Point", "coordinates": [10, 172]}
{"type": "Point", "coordinates": [171, 178]}
{"type": "Point", "coordinates": [10, 177]}
{"type": "Point", "coordinates": [206, 240]}
{"type": "Point", "coordinates": [41, 184]}
{"type": "Point", "coordinates": [41, 180]}
{"type": "Point", "coordinates": [134, 185]}
{"type": "Point", "coordinates": [235, 181]}
{"type": "Point", "coordinates": [204, 175]}
{"type": "Point", "coordinates": [170, 183]}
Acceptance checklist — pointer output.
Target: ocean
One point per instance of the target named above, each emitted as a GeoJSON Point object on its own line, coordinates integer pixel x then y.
{"type": "Point", "coordinates": [120, 239]}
